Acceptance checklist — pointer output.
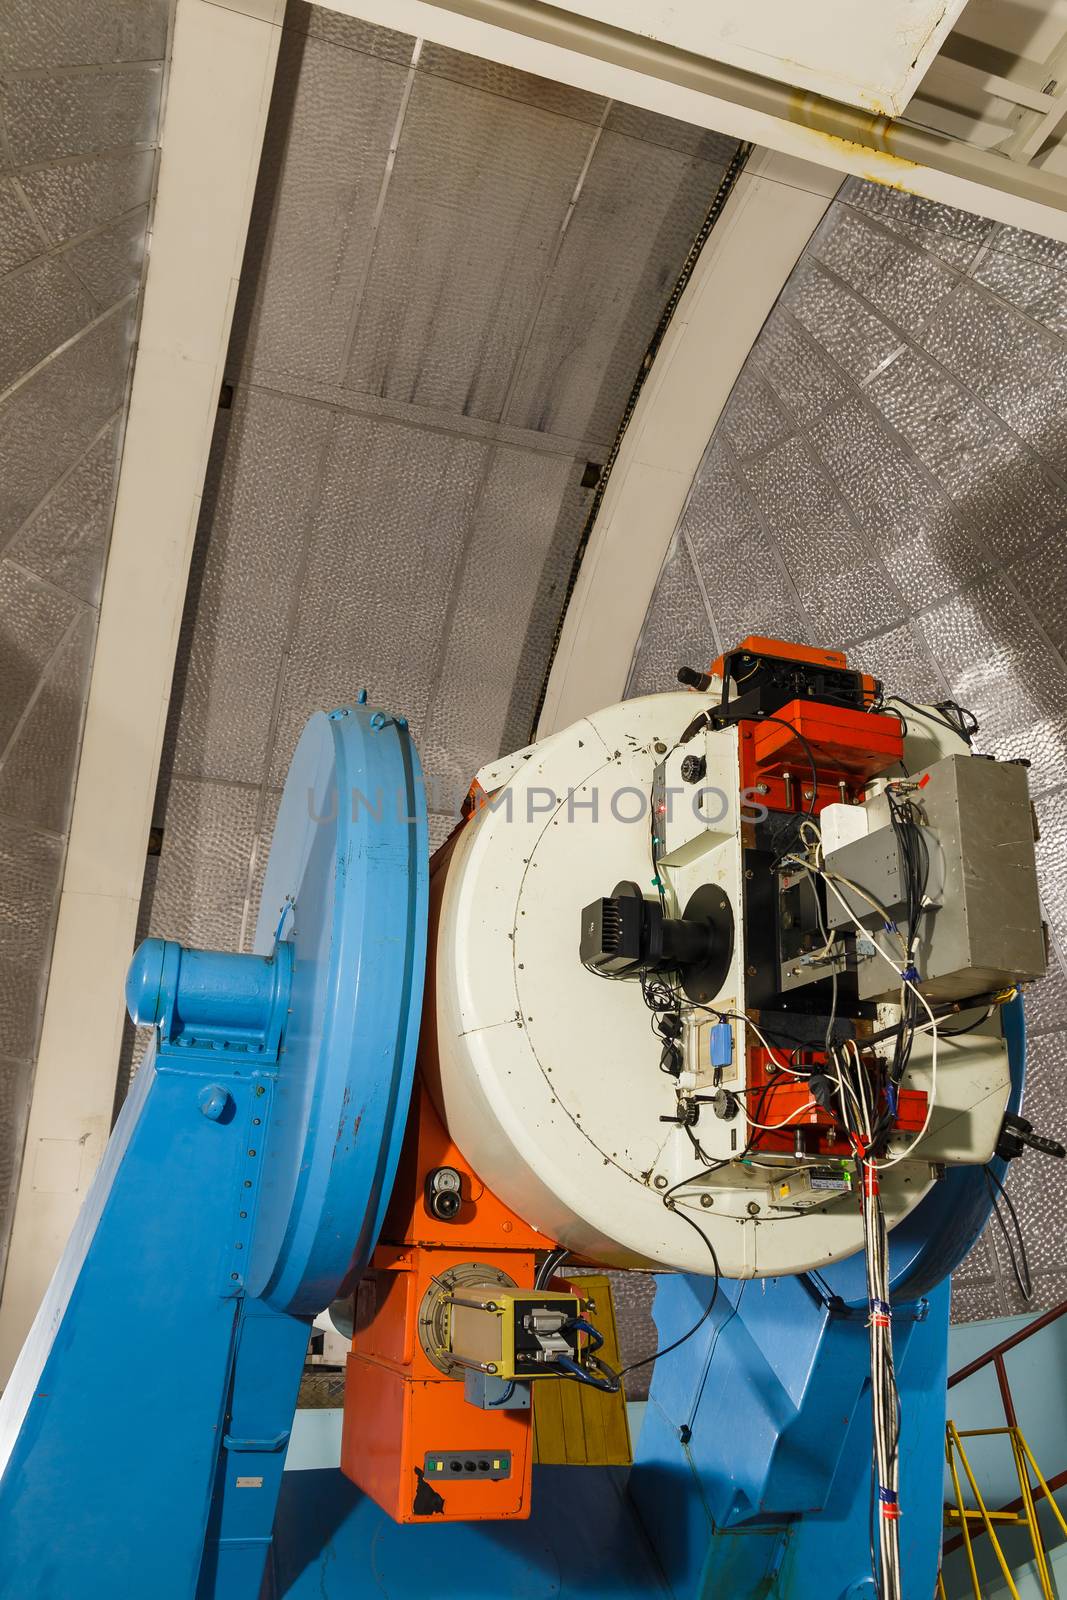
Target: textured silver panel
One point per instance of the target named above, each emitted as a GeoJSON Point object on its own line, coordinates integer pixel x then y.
{"type": "Point", "coordinates": [74, 196]}
{"type": "Point", "coordinates": [753, 417]}
{"type": "Point", "coordinates": [77, 113]}
{"type": "Point", "coordinates": [857, 340]}
{"type": "Point", "coordinates": [68, 118]}
{"type": "Point", "coordinates": [48, 422]}
{"type": "Point", "coordinates": [204, 865]}
{"type": "Point", "coordinates": [19, 238]}
{"type": "Point", "coordinates": [617, 265]}
{"type": "Point", "coordinates": [899, 658]}
{"type": "Point", "coordinates": [490, 670]}
{"type": "Point", "coordinates": [996, 665]}
{"type": "Point", "coordinates": [1006, 498]}
{"type": "Point", "coordinates": [245, 580]}
{"type": "Point", "coordinates": [476, 202]}
{"type": "Point", "coordinates": [109, 264]}
{"type": "Point", "coordinates": [904, 284]}
{"type": "Point", "coordinates": [677, 632]}
{"type": "Point", "coordinates": [65, 540]}
{"type": "Point", "coordinates": [652, 128]}
{"type": "Point", "coordinates": [312, 224]}
{"type": "Point", "coordinates": [440, 826]}
{"type": "Point", "coordinates": [909, 521]}
{"type": "Point", "coordinates": [745, 581]}
{"type": "Point", "coordinates": [38, 768]}
{"type": "Point", "coordinates": [494, 78]}
{"type": "Point", "coordinates": [15, 1081]}
{"type": "Point", "coordinates": [385, 548]}
{"type": "Point", "coordinates": [1029, 272]}
{"type": "Point", "coordinates": [799, 372]}
{"type": "Point", "coordinates": [34, 620]}
{"type": "Point", "coordinates": [975, 1302]}
{"type": "Point", "coordinates": [266, 819]}
{"type": "Point", "coordinates": [1046, 1002]}
{"type": "Point", "coordinates": [633, 1294]}
{"type": "Point", "coordinates": [30, 865]}
{"type": "Point", "coordinates": [846, 592]}
{"type": "Point", "coordinates": [1052, 861]}
{"type": "Point", "coordinates": [978, 1266]}
{"type": "Point", "coordinates": [42, 305]}
{"type": "Point", "coordinates": [55, 33]}
{"type": "Point", "coordinates": [1018, 370]}
{"type": "Point", "coordinates": [1041, 579]}
{"type": "Point", "coordinates": [954, 236]}
{"type": "Point", "coordinates": [332, 27]}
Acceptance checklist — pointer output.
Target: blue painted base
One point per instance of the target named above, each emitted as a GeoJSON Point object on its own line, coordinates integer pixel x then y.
{"type": "Point", "coordinates": [753, 1470]}
{"type": "Point", "coordinates": [583, 1542]}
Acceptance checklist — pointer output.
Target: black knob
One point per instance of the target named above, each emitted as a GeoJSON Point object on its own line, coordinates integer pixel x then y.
{"type": "Point", "coordinates": [693, 768]}
{"type": "Point", "coordinates": [724, 1105]}
{"type": "Point", "coordinates": [443, 1193]}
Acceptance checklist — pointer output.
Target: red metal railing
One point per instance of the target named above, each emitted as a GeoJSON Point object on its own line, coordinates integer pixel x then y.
{"type": "Point", "coordinates": [995, 1358]}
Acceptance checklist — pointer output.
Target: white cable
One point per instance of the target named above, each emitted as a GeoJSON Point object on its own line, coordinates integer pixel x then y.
{"type": "Point", "coordinates": [909, 1154]}
{"type": "Point", "coordinates": [772, 1127]}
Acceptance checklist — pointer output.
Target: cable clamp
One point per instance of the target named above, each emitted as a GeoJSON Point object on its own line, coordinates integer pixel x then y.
{"type": "Point", "coordinates": [881, 1314]}
{"type": "Point", "coordinates": [910, 974]}
{"type": "Point", "coordinates": [890, 1506]}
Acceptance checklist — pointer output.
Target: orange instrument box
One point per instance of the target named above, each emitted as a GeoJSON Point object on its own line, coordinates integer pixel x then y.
{"type": "Point", "coordinates": [858, 744]}
{"type": "Point", "coordinates": [410, 1439]}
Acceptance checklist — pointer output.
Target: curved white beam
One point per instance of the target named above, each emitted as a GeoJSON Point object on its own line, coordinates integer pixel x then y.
{"type": "Point", "coordinates": [218, 92]}
{"type": "Point", "coordinates": [768, 219]}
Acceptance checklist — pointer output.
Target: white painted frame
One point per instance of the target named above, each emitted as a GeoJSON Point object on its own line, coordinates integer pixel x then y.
{"type": "Point", "coordinates": [221, 74]}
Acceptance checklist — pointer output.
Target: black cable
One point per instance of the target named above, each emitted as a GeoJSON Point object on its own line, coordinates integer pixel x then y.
{"type": "Point", "coordinates": [956, 1033]}
{"type": "Point", "coordinates": [709, 1308]}
{"type": "Point", "coordinates": [1020, 1265]}
{"type": "Point", "coordinates": [807, 751]}
{"type": "Point", "coordinates": [549, 1266]}
{"type": "Point", "coordinates": [956, 718]}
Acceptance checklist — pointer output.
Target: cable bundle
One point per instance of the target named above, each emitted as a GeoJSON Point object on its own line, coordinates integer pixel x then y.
{"type": "Point", "coordinates": [885, 1405]}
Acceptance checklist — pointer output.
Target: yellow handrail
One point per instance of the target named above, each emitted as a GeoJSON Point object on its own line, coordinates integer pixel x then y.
{"type": "Point", "coordinates": [965, 1515]}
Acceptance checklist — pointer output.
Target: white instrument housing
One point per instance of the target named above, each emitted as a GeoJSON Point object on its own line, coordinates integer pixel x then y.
{"type": "Point", "coordinates": [549, 1074]}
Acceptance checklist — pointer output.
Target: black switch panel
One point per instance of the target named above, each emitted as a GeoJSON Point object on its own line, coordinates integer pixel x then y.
{"type": "Point", "coordinates": [495, 1464]}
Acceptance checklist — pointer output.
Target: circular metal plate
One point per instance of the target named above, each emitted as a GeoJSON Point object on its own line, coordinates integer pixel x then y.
{"type": "Point", "coordinates": [346, 884]}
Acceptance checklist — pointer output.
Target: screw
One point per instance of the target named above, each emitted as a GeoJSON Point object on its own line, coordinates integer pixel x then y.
{"type": "Point", "coordinates": [660, 748]}
{"type": "Point", "coordinates": [660, 1182]}
{"type": "Point", "coordinates": [763, 788]}
{"type": "Point", "coordinates": [256, 1121]}
{"type": "Point", "coordinates": [749, 874]}
{"type": "Point", "coordinates": [753, 1208]}
{"type": "Point", "coordinates": [251, 1152]}
{"type": "Point", "coordinates": [706, 1200]}
{"type": "Point", "coordinates": [243, 1215]}
{"type": "Point", "coordinates": [751, 971]}
{"type": "Point", "coordinates": [214, 1101]}
{"type": "Point", "coordinates": [260, 1089]}
{"type": "Point", "coordinates": [809, 794]}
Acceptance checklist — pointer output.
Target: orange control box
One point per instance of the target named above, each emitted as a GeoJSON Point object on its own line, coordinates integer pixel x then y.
{"type": "Point", "coordinates": [410, 1439]}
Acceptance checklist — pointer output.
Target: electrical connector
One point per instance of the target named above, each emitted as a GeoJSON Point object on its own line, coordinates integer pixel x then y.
{"type": "Point", "coordinates": [722, 1045]}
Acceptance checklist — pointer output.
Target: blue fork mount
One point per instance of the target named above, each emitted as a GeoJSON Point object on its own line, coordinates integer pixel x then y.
{"type": "Point", "coordinates": [144, 1430]}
